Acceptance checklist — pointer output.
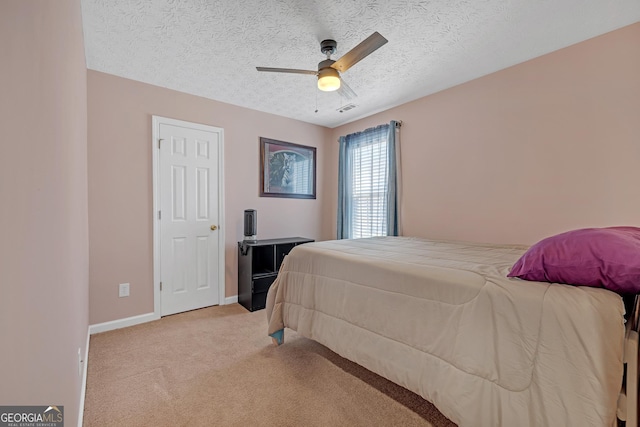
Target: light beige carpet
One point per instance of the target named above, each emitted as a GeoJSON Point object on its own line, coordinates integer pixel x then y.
{"type": "Point", "coordinates": [216, 366]}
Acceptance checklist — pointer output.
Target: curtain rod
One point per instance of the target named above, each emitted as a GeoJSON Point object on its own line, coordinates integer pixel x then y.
{"type": "Point", "coordinates": [398, 124]}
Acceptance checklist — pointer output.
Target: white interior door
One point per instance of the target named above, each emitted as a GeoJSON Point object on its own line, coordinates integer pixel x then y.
{"type": "Point", "coordinates": [188, 218]}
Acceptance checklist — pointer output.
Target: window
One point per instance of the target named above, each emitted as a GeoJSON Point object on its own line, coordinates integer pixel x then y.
{"type": "Point", "coordinates": [367, 184]}
{"type": "Point", "coordinates": [369, 187]}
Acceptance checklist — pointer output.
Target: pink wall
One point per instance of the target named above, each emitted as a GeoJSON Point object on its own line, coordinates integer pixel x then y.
{"type": "Point", "coordinates": [542, 147]}
{"type": "Point", "coordinates": [121, 192]}
{"type": "Point", "coordinates": [43, 204]}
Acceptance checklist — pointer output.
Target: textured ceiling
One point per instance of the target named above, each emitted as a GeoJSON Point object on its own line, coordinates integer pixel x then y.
{"type": "Point", "coordinates": [211, 48]}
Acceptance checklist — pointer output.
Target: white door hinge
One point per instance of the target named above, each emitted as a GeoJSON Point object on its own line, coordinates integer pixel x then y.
{"type": "Point", "coordinates": [159, 214]}
{"type": "Point", "coordinates": [159, 141]}
{"type": "Point", "coordinates": [160, 286]}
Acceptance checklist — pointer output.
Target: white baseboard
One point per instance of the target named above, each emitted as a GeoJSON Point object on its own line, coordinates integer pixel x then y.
{"type": "Point", "coordinates": [122, 323]}
{"type": "Point", "coordinates": [136, 320]}
{"type": "Point", "coordinates": [83, 387]}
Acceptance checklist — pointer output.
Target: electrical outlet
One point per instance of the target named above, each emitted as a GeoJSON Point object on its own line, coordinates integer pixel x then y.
{"type": "Point", "coordinates": [79, 362]}
{"type": "Point", "coordinates": [123, 290]}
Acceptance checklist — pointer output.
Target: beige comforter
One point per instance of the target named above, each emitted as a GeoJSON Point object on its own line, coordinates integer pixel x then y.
{"type": "Point", "coordinates": [443, 320]}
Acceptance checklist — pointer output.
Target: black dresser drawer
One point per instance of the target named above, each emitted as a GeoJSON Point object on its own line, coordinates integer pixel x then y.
{"type": "Point", "coordinates": [262, 284]}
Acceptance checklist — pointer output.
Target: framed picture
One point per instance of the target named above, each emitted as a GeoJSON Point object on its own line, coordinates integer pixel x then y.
{"type": "Point", "coordinates": [287, 170]}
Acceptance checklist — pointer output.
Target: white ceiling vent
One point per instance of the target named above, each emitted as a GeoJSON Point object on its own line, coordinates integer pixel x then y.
{"type": "Point", "coordinates": [346, 108]}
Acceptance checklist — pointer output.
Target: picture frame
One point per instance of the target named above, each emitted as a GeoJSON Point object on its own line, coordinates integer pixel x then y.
{"type": "Point", "coordinates": [287, 169]}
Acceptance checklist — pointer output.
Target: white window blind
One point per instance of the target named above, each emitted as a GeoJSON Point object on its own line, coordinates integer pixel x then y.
{"type": "Point", "coordinates": [369, 188]}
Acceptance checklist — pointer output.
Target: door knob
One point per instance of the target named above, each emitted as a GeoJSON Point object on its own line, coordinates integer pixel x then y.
{"type": "Point", "coordinates": [214, 227]}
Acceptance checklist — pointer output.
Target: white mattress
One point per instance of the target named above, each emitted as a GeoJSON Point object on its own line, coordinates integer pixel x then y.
{"type": "Point", "coordinates": [443, 320]}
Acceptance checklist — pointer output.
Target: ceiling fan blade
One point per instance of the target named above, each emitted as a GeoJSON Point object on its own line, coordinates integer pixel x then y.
{"type": "Point", "coordinates": [346, 91]}
{"type": "Point", "coordinates": [286, 70]}
{"type": "Point", "coordinates": [358, 53]}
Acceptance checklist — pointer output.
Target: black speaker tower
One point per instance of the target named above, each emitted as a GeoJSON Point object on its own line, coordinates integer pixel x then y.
{"type": "Point", "coordinates": [250, 224]}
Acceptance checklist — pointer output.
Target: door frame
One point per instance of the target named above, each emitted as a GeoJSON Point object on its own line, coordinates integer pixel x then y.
{"type": "Point", "coordinates": [155, 150]}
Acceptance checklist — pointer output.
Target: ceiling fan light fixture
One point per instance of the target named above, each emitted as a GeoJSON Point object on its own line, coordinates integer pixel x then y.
{"type": "Point", "coordinates": [328, 79]}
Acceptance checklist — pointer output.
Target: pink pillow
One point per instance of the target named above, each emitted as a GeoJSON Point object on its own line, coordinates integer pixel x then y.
{"type": "Point", "coordinates": [600, 257]}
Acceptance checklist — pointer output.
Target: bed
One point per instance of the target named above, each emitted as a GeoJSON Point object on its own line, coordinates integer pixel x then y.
{"type": "Point", "coordinates": [441, 319]}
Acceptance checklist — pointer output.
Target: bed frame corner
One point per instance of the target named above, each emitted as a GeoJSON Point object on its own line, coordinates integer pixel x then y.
{"type": "Point", "coordinates": [628, 399]}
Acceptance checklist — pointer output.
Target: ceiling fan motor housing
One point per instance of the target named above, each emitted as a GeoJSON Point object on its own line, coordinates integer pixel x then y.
{"type": "Point", "coordinates": [327, 63]}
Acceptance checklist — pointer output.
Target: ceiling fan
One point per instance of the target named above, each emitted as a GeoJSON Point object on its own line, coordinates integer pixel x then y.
{"type": "Point", "coordinates": [329, 70]}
